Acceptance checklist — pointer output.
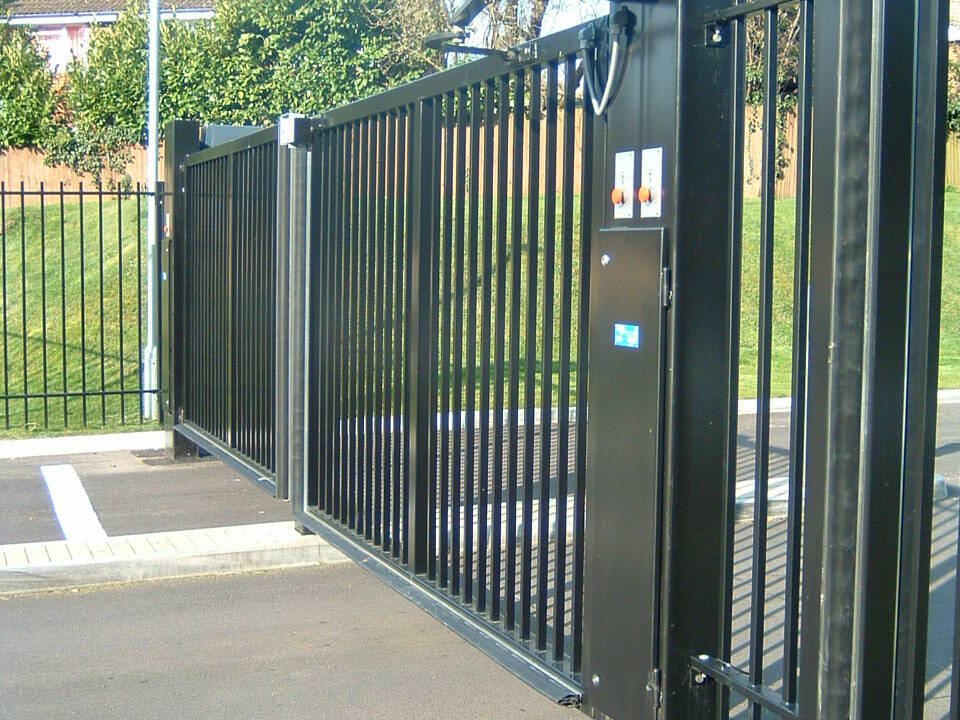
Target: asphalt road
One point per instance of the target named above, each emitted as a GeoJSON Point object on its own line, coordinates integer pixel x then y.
{"type": "Point", "coordinates": [133, 493]}
{"type": "Point", "coordinates": [332, 642]}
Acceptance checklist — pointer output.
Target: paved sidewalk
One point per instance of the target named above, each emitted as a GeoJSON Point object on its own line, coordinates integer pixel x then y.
{"type": "Point", "coordinates": [132, 514]}
{"type": "Point", "coordinates": [150, 556]}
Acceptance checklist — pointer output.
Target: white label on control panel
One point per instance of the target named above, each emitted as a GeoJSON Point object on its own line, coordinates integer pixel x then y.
{"type": "Point", "coordinates": [651, 178]}
{"type": "Point", "coordinates": [623, 165]}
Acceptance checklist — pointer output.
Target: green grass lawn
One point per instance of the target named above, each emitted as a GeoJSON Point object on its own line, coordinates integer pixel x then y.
{"type": "Point", "coordinates": [66, 296]}
{"type": "Point", "coordinates": [782, 346]}
{"type": "Point", "coordinates": [56, 336]}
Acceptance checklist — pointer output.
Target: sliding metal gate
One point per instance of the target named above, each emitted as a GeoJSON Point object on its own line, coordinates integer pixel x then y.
{"type": "Point", "coordinates": [448, 287]}
{"type": "Point", "coordinates": [224, 324]}
{"type": "Point", "coordinates": [446, 253]}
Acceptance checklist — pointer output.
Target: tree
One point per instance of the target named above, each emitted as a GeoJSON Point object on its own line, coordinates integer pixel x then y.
{"type": "Point", "coordinates": [28, 99]}
{"type": "Point", "coordinates": [501, 25]}
{"type": "Point", "coordinates": [255, 60]}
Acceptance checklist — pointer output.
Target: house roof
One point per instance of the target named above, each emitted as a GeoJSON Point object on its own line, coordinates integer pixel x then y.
{"type": "Point", "coordinates": [28, 8]}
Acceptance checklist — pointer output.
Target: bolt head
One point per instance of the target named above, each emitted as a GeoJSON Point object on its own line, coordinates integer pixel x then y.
{"type": "Point", "coordinates": [596, 680]}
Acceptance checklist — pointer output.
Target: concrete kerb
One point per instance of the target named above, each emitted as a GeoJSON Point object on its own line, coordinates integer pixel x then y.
{"type": "Point", "coordinates": [61, 565]}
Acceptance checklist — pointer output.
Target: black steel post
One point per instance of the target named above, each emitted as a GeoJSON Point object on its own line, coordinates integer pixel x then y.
{"type": "Point", "coordinates": [922, 355]}
{"type": "Point", "coordinates": [698, 368]}
{"type": "Point", "coordinates": [180, 138]}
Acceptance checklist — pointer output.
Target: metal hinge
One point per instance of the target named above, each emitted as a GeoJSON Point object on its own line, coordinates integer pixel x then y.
{"type": "Point", "coordinates": [666, 287]}
{"type": "Point", "coordinates": [653, 687]}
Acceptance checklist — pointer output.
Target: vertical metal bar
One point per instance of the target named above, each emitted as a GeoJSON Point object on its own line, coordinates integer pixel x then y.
{"type": "Point", "coordinates": [420, 346]}
{"type": "Point", "coordinates": [6, 335]}
{"type": "Point", "coordinates": [583, 318]}
{"type": "Point", "coordinates": [141, 375]}
{"type": "Point", "coordinates": [563, 389]}
{"type": "Point", "coordinates": [791, 625]}
{"type": "Point", "coordinates": [922, 355]}
{"type": "Point", "coordinates": [530, 350]}
{"type": "Point", "coordinates": [83, 313]}
{"type": "Point", "coordinates": [735, 245]}
{"type": "Point", "coordinates": [764, 344]}
{"type": "Point", "coordinates": [23, 303]}
{"type": "Point", "coordinates": [458, 299]}
{"type": "Point", "coordinates": [513, 402]}
{"type": "Point", "coordinates": [356, 452]}
{"type": "Point", "coordinates": [445, 323]}
{"type": "Point", "coordinates": [404, 133]}
{"type": "Point", "coordinates": [470, 475]}
{"type": "Point", "coordinates": [103, 396]}
{"type": "Point", "coordinates": [123, 414]}
{"type": "Point", "coordinates": [368, 320]}
{"type": "Point", "coordinates": [380, 350]}
{"type": "Point", "coordinates": [546, 373]}
{"type": "Point", "coordinates": [343, 261]}
{"type": "Point", "coordinates": [434, 320]}
{"type": "Point", "coordinates": [43, 304]}
{"type": "Point", "coordinates": [63, 307]}
{"type": "Point", "coordinates": [503, 146]}
{"type": "Point", "coordinates": [486, 270]}
{"type": "Point", "coordinates": [391, 429]}
{"type": "Point", "coordinates": [846, 316]}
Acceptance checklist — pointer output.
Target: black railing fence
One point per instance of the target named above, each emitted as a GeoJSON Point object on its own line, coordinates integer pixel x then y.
{"type": "Point", "coordinates": [73, 269]}
{"type": "Point", "coordinates": [486, 332]}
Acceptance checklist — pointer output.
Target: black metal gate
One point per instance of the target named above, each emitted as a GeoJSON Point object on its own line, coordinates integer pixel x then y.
{"type": "Point", "coordinates": [448, 292]}
{"type": "Point", "coordinates": [447, 253]}
{"type": "Point", "coordinates": [223, 327]}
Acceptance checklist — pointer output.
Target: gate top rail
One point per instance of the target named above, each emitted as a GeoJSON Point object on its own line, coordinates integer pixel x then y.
{"type": "Point", "coordinates": [540, 51]}
{"type": "Point", "coordinates": [254, 139]}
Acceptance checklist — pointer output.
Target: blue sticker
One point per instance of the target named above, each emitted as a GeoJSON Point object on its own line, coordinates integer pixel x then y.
{"type": "Point", "coordinates": [627, 336]}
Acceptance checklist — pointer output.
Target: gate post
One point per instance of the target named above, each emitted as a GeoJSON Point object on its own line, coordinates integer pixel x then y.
{"type": "Point", "coordinates": [654, 584]}
{"type": "Point", "coordinates": [181, 137]}
{"type": "Point", "coordinates": [294, 160]}
{"type": "Point", "coordinates": [876, 244]}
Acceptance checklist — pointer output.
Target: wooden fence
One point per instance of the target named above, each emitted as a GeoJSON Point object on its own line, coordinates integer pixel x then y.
{"type": "Point", "coordinates": [22, 165]}
{"type": "Point", "coordinates": [27, 166]}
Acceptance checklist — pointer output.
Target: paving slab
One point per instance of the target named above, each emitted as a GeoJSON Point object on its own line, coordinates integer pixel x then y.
{"type": "Point", "coordinates": [58, 564]}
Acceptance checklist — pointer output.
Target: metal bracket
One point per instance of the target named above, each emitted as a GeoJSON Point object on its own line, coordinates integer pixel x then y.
{"type": "Point", "coordinates": [294, 129]}
{"type": "Point", "coordinates": [666, 287]}
{"type": "Point", "coordinates": [716, 34]}
{"type": "Point", "coordinates": [452, 41]}
{"type": "Point", "coordinates": [653, 687]}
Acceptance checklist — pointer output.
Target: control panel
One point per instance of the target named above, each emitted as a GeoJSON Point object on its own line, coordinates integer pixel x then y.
{"type": "Point", "coordinates": [622, 194]}
{"type": "Point", "coordinates": [648, 193]}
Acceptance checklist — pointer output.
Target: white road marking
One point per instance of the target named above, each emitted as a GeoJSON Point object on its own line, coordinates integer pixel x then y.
{"type": "Point", "coordinates": [76, 515]}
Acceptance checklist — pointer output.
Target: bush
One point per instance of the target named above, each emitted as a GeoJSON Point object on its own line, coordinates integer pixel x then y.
{"type": "Point", "coordinates": [28, 99]}
{"type": "Point", "coordinates": [255, 60]}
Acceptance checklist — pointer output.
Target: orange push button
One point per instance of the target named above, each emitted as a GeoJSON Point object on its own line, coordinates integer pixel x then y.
{"type": "Point", "coordinates": [616, 196]}
{"type": "Point", "coordinates": [644, 194]}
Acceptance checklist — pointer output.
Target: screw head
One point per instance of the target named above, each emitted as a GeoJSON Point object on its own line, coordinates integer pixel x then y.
{"type": "Point", "coordinates": [605, 259]}
{"type": "Point", "coordinates": [596, 680]}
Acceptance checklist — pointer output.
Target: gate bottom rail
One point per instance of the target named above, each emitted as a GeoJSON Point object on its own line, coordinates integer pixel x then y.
{"type": "Point", "coordinates": [259, 476]}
